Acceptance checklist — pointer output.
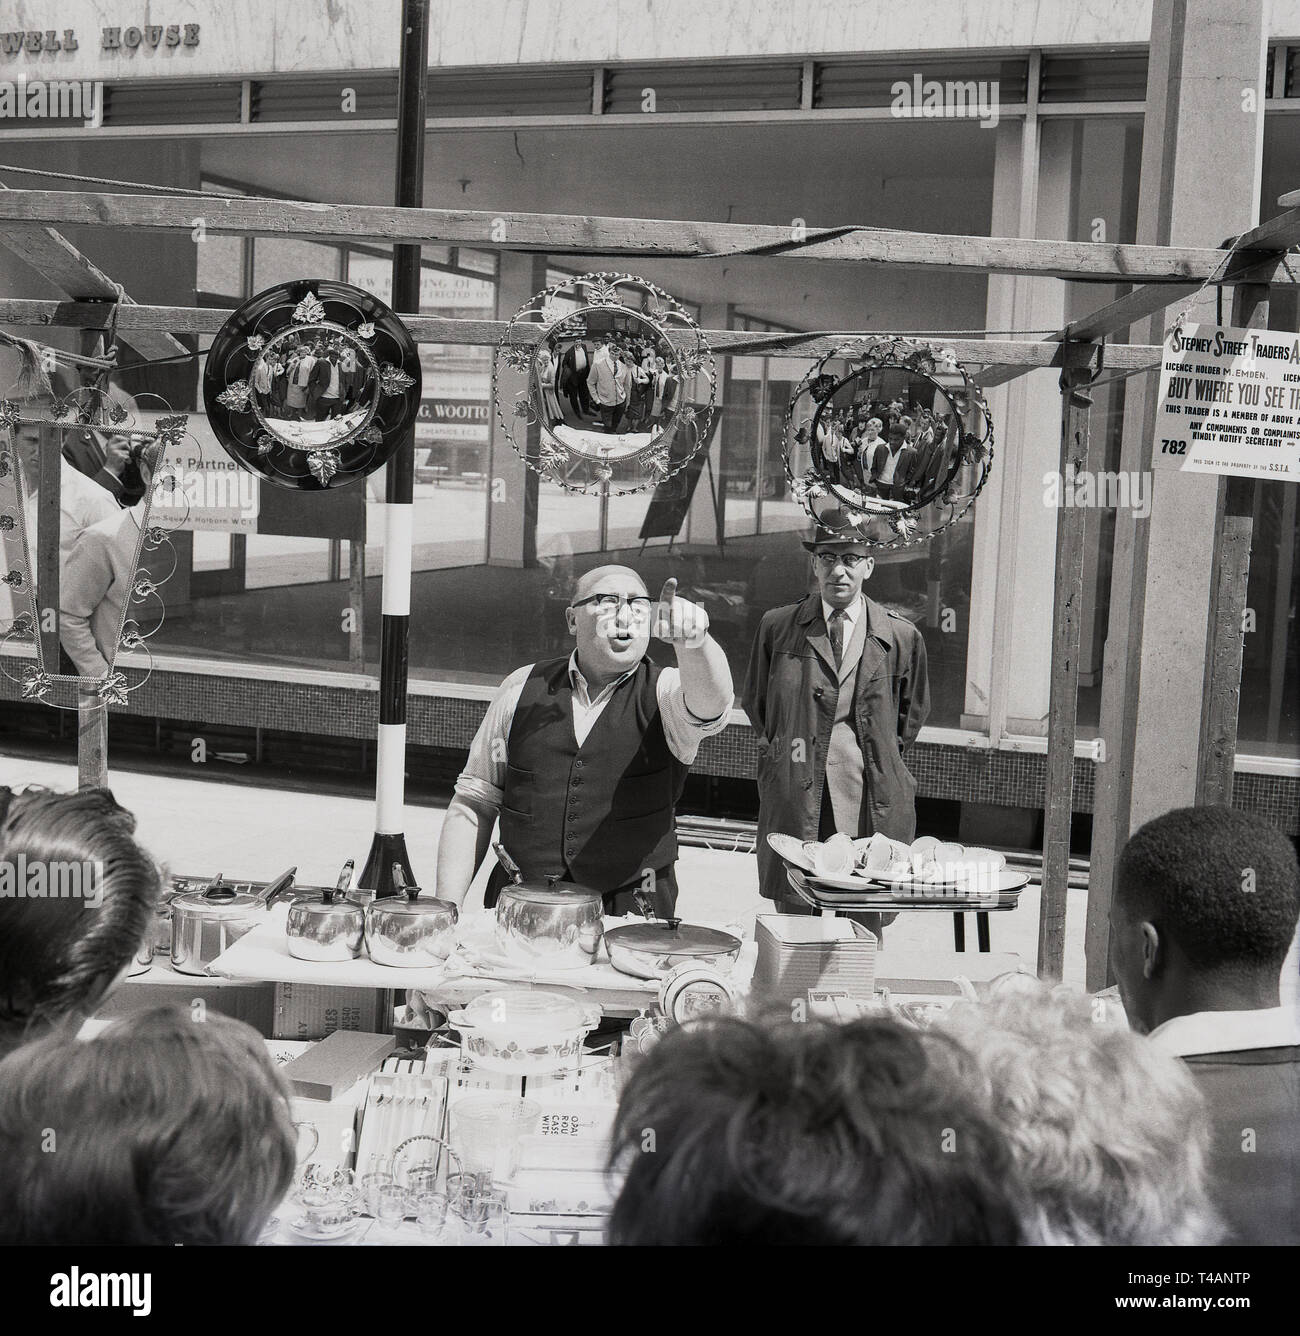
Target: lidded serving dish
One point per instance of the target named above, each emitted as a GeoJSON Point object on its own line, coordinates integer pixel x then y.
{"type": "Point", "coordinates": [521, 1030]}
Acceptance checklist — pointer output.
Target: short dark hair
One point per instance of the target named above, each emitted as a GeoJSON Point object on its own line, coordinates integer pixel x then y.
{"type": "Point", "coordinates": [166, 1129]}
{"type": "Point", "coordinates": [733, 1133]}
{"type": "Point", "coordinates": [58, 954]}
{"type": "Point", "coordinates": [1223, 884]}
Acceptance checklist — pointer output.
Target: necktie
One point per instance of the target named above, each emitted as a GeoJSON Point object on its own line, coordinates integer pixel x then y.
{"type": "Point", "coordinates": [836, 629]}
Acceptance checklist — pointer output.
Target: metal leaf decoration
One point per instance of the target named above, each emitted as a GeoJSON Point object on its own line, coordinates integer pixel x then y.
{"type": "Point", "coordinates": [255, 343]}
{"type": "Point", "coordinates": [155, 536]}
{"type": "Point", "coordinates": [692, 363]}
{"type": "Point", "coordinates": [15, 579]}
{"type": "Point", "coordinates": [117, 413]}
{"type": "Point", "coordinates": [266, 443]}
{"type": "Point", "coordinates": [324, 464]}
{"type": "Point", "coordinates": [131, 637]}
{"type": "Point", "coordinates": [393, 380]}
{"type": "Point", "coordinates": [525, 408]}
{"type": "Point", "coordinates": [603, 294]}
{"type": "Point", "coordinates": [372, 435]}
{"type": "Point", "coordinates": [61, 410]}
{"type": "Point", "coordinates": [9, 413]}
{"type": "Point", "coordinates": [309, 311]}
{"type": "Point", "coordinates": [171, 429]}
{"type": "Point", "coordinates": [235, 397]}
{"type": "Point", "coordinates": [4, 466]}
{"type": "Point", "coordinates": [35, 684]}
{"type": "Point", "coordinates": [7, 523]}
{"type": "Point", "coordinates": [519, 356]}
{"type": "Point", "coordinates": [144, 586]}
{"type": "Point", "coordinates": [112, 690]}
{"type": "Point", "coordinates": [22, 625]}
{"type": "Point", "coordinates": [366, 329]}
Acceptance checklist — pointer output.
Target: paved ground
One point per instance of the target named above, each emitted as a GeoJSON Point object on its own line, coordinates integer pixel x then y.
{"type": "Point", "coordinates": [196, 826]}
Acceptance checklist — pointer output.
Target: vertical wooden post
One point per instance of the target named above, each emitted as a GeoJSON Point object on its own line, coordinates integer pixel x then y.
{"type": "Point", "coordinates": [357, 602]}
{"type": "Point", "coordinates": [1077, 458]}
{"type": "Point", "coordinates": [1234, 524]}
{"type": "Point", "coordinates": [92, 740]}
{"type": "Point", "coordinates": [49, 525]}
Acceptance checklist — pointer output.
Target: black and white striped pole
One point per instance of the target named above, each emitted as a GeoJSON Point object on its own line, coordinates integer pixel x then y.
{"type": "Point", "coordinates": [389, 844]}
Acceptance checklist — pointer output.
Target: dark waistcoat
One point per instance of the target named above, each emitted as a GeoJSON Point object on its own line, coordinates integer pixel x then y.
{"type": "Point", "coordinates": [600, 814]}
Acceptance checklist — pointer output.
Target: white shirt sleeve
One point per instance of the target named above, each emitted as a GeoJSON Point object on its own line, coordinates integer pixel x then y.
{"type": "Point", "coordinates": [683, 731]}
{"type": "Point", "coordinates": [483, 780]}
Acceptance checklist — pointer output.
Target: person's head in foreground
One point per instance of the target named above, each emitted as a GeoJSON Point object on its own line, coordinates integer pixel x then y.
{"type": "Point", "coordinates": [61, 953]}
{"type": "Point", "coordinates": [1109, 1135]}
{"type": "Point", "coordinates": [1203, 916]}
{"type": "Point", "coordinates": [164, 1129]}
{"type": "Point", "coordinates": [868, 1133]}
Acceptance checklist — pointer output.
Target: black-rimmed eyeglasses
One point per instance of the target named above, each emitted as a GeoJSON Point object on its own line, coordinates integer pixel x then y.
{"type": "Point", "coordinates": [849, 560]}
{"type": "Point", "coordinates": [639, 604]}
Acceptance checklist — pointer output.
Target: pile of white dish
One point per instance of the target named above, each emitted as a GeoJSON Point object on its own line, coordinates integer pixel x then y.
{"type": "Point", "coordinates": [926, 861]}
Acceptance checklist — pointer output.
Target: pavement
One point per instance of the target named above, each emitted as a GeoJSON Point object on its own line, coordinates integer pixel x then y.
{"type": "Point", "coordinates": [196, 826]}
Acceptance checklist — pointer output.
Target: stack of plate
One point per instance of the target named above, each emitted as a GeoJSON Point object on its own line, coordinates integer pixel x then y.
{"type": "Point", "coordinates": [798, 952]}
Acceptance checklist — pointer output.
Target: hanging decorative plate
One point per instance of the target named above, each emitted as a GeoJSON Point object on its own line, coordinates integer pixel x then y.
{"type": "Point", "coordinates": [604, 383]}
{"type": "Point", "coordinates": [889, 439]}
{"type": "Point", "coordinates": [312, 384]}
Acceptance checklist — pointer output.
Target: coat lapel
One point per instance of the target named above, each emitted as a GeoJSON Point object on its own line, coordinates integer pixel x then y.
{"type": "Point", "coordinates": [814, 628]}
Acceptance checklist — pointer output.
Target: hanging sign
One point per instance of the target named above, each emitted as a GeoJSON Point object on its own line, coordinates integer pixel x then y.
{"type": "Point", "coordinates": [1229, 403]}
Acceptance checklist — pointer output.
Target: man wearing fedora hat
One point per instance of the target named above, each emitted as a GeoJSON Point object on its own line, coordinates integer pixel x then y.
{"type": "Point", "coordinates": [837, 688]}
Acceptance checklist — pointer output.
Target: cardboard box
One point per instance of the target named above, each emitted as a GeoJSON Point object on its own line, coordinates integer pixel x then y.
{"type": "Point", "coordinates": [312, 1011]}
{"type": "Point", "coordinates": [337, 1063]}
{"type": "Point", "coordinates": [797, 953]}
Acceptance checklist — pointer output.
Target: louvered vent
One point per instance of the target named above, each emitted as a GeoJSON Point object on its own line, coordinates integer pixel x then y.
{"type": "Point", "coordinates": [194, 103]}
{"type": "Point", "coordinates": [374, 97]}
{"type": "Point", "coordinates": [863, 83]}
{"type": "Point", "coordinates": [702, 88]}
{"type": "Point", "coordinates": [1094, 78]}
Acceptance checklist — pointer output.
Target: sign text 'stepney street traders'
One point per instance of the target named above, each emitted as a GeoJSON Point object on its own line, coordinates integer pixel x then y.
{"type": "Point", "coordinates": [1229, 402]}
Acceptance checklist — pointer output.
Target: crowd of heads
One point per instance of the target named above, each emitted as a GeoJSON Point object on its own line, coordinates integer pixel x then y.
{"type": "Point", "coordinates": [310, 377]}
{"type": "Point", "coordinates": [889, 450]}
{"type": "Point", "coordinates": [1038, 1115]}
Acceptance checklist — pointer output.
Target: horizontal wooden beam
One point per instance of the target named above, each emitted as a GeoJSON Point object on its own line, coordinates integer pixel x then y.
{"type": "Point", "coordinates": [442, 329]}
{"type": "Point", "coordinates": [55, 258]}
{"type": "Point", "coordinates": [577, 234]}
{"type": "Point", "coordinates": [1279, 233]}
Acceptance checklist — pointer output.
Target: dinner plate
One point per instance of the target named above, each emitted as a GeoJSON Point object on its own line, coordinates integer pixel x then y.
{"type": "Point", "coordinates": [792, 850]}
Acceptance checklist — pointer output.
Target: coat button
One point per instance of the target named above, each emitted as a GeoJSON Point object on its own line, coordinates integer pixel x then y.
{"type": "Point", "coordinates": [807, 783]}
{"type": "Point", "coordinates": [818, 693]}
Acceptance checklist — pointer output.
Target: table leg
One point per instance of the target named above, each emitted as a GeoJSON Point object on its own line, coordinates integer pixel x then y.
{"type": "Point", "coordinates": [982, 930]}
{"type": "Point", "coordinates": [959, 931]}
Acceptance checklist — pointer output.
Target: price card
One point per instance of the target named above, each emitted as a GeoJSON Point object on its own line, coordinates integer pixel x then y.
{"type": "Point", "coordinates": [1229, 403]}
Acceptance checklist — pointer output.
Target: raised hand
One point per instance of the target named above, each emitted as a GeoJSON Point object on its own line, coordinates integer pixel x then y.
{"type": "Point", "coordinates": [679, 621]}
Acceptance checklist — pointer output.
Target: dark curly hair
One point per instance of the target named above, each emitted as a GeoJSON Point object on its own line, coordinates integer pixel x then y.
{"type": "Point", "coordinates": [734, 1133]}
{"type": "Point", "coordinates": [58, 955]}
{"type": "Point", "coordinates": [1223, 884]}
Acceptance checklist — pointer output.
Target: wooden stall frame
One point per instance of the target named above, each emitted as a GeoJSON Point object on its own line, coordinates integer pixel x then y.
{"type": "Point", "coordinates": [1163, 275]}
